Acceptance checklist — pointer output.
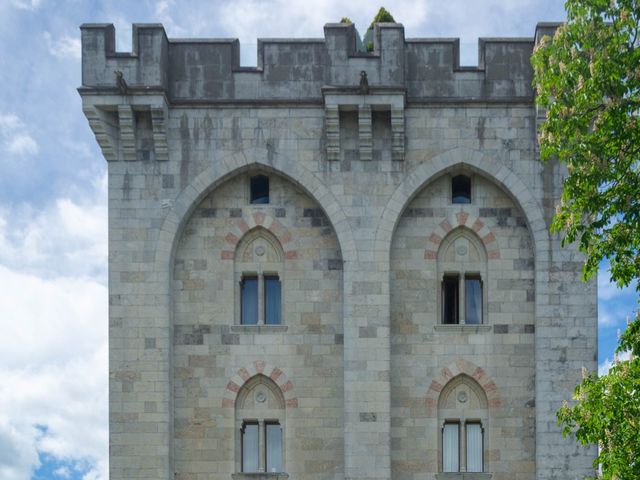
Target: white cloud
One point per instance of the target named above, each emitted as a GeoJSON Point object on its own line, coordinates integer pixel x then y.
{"type": "Point", "coordinates": [31, 5]}
{"type": "Point", "coordinates": [15, 136]}
{"type": "Point", "coordinates": [10, 122]}
{"type": "Point", "coordinates": [53, 347]}
{"type": "Point", "coordinates": [49, 321]}
{"type": "Point", "coordinates": [22, 144]}
{"type": "Point", "coordinates": [608, 290]}
{"type": "Point", "coordinates": [70, 400]}
{"type": "Point", "coordinates": [67, 46]}
{"type": "Point", "coordinates": [18, 453]}
{"type": "Point", "coordinates": [606, 365]}
{"type": "Point", "coordinates": [615, 304]}
{"type": "Point", "coordinates": [69, 238]}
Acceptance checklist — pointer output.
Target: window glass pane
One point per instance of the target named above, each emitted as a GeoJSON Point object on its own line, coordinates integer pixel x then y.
{"type": "Point", "coordinates": [461, 189]}
{"type": "Point", "coordinates": [474, 447]}
{"type": "Point", "coordinates": [450, 441]}
{"type": "Point", "coordinates": [450, 299]}
{"type": "Point", "coordinates": [249, 301]}
{"type": "Point", "coordinates": [473, 296]}
{"type": "Point", "coordinates": [250, 447]}
{"type": "Point", "coordinates": [274, 447]}
{"type": "Point", "coordinates": [272, 300]}
{"type": "Point", "coordinates": [259, 189]}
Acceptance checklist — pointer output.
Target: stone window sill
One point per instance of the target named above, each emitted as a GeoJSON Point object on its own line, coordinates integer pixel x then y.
{"type": "Point", "coordinates": [259, 329]}
{"type": "Point", "coordinates": [462, 329]}
{"type": "Point", "coordinates": [463, 476]}
{"type": "Point", "coordinates": [259, 476]}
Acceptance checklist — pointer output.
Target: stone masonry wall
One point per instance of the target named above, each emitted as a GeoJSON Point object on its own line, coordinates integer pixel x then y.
{"type": "Point", "coordinates": [363, 409]}
{"type": "Point", "coordinates": [209, 346]}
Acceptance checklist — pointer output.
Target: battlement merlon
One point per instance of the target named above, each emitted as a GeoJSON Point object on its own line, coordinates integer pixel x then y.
{"type": "Point", "coordinates": [208, 71]}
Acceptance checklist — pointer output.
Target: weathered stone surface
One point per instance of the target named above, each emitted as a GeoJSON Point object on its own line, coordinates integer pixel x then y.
{"type": "Point", "coordinates": [361, 217]}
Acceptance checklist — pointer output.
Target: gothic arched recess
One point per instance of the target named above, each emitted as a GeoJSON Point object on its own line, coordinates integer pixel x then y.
{"type": "Point", "coordinates": [462, 283]}
{"type": "Point", "coordinates": [257, 280]}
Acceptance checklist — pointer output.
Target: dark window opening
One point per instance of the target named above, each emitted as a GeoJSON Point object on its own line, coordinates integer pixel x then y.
{"type": "Point", "coordinates": [461, 189]}
{"type": "Point", "coordinates": [450, 299]}
{"type": "Point", "coordinates": [249, 301]}
{"type": "Point", "coordinates": [473, 300]}
{"type": "Point", "coordinates": [259, 189]}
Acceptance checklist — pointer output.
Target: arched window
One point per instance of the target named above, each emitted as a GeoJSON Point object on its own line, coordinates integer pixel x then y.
{"type": "Point", "coordinates": [463, 419]}
{"type": "Point", "coordinates": [260, 421]}
{"type": "Point", "coordinates": [461, 189]}
{"type": "Point", "coordinates": [259, 276]}
{"type": "Point", "coordinates": [462, 269]}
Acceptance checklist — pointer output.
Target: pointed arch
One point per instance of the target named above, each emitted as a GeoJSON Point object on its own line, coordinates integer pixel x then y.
{"type": "Point", "coordinates": [475, 161]}
{"type": "Point", "coordinates": [248, 223]}
{"type": "Point", "coordinates": [179, 210]}
{"type": "Point", "coordinates": [461, 220]}
{"type": "Point", "coordinates": [462, 367]}
{"type": "Point", "coordinates": [255, 381]}
{"type": "Point", "coordinates": [259, 367]}
{"type": "Point", "coordinates": [457, 381]}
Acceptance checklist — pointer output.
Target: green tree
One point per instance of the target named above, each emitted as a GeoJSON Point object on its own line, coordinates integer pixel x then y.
{"type": "Point", "coordinates": [607, 412]}
{"type": "Point", "coordinates": [588, 78]}
{"type": "Point", "coordinates": [383, 16]}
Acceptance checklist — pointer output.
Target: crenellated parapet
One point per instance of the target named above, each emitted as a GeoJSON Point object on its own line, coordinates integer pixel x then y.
{"type": "Point", "coordinates": [295, 70]}
{"type": "Point", "coordinates": [146, 66]}
{"type": "Point", "coordinates": [127, 95]}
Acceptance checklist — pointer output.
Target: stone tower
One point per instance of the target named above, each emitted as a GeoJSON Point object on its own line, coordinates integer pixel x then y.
{"type": "Point", "coordinates": [334, 265]}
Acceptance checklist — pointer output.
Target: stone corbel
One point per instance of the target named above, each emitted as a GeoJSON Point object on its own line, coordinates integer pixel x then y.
{"type": "Point", "coordinates": [397, 133]}
{"type": "Point", "coordinates": [332, 127]}
{"type": "Point", "coordinates": [104, 124]}
{"type": "Point", "coordinates": [127, 121]}
{"type": "Point", "coordinates": [365, 132]}
{"type": "Point", "coordinates": [159, 116]}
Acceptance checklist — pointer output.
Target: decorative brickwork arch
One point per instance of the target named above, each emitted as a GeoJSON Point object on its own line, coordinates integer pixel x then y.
{"type": "Point", "coordinates": [453, 370]}
{"type": "Point", "coordinates": [259, 367]}
{"type": "Point", "coordinates": [257, 220]}
{"type": "Point", "coordinates": [474, 160]}
{"type": "Point", "coordinates": [179, 209]}
{"type": "Point", "coordinates": [465, 220]}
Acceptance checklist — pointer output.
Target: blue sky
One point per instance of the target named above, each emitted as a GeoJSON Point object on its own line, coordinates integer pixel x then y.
{"type": "Point", "coordinates": [53, 218]}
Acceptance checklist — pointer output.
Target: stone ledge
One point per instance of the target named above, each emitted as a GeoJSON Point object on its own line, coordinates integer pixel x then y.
{"type": "Point", "coordinates": [463, 476]}
{"type": "Point", "coordinates": [258, 329]}
{"type": "Point", "coordinates": [462, 328]}
{"type": "Point", "coordinates": [259, 476]}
